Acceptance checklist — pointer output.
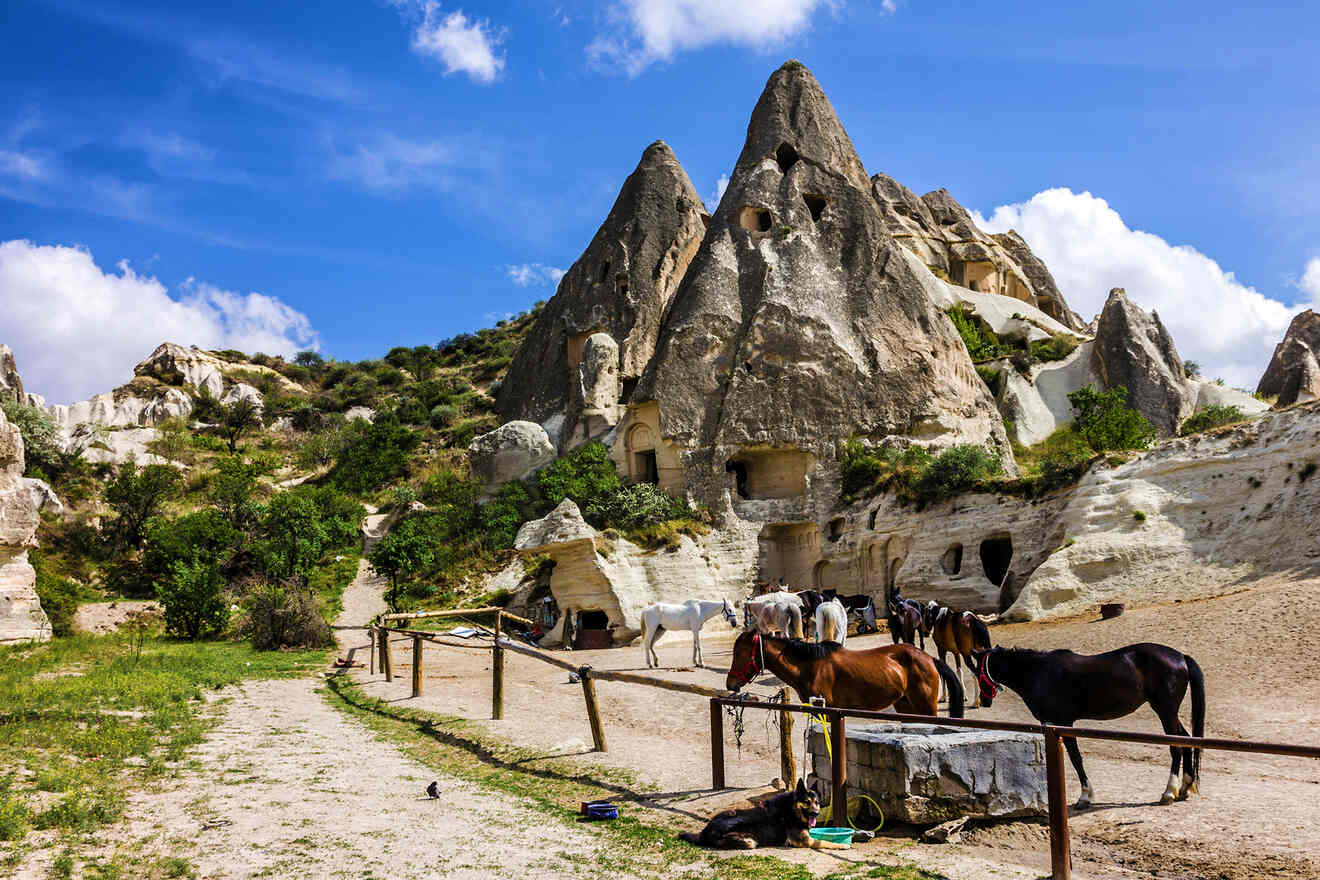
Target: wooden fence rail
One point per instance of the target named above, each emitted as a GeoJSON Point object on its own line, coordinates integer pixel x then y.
{"type": "Point", "coordinates": [1060, 857]}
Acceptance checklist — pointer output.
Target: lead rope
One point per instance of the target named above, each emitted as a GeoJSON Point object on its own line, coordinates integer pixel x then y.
{"type": "Point", "coordinates": [829, 752]}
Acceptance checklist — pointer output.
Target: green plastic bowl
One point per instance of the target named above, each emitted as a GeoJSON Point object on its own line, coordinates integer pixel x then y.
{"type": "Point", "coordinates": [833, 835]}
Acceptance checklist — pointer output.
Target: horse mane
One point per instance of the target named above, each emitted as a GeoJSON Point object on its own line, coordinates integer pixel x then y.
{"type": "Point", "coordinates": [798, 649]}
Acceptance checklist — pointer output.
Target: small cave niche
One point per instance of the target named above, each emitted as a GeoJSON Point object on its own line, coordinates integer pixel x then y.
{"type": "Point", "coordinates": [870, 520]}
{"type": "Point", "coordinates": [604, 271]}
{"type": "Point", "coordinates": [973, 287]}
{"type": "Point", "coordinates": [646, 468]}
{"type": "Point", "coordinates": [816, 205]}
{"type": "Point", "coordinates": [996, 556]}
{"type": "Point", "coordinates": [755, 219]}
{"type": "Point", "coordinates": [739, 471]}
{"type": "Point", "coordinates": [621, 285]}
{"type": "Point", "coordinates": [594, 619]}
{"type": "Point", "coordinates": [835, 529]}
{"type": "Point", "coordinates": [770, 473]}
{"type": "Point", "coordinates": [786, 156]}
{"type": "Point", "coordinates": [951, 561]}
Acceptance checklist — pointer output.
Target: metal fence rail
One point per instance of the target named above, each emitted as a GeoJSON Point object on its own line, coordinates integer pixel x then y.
{"type": "Point", "coordinates": [1054, 735]}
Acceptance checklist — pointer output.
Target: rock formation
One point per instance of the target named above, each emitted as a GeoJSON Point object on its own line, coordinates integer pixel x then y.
{"type": "Point", "coordinates": [620, 286]}
{"type": "Point", "coordinates": [798, 324]}
{"type": "Point", "coordinates": [513, 451]}
{"type": "Point", "coordinates": [1133, 349]}
{"type": "Point", "coordinates": [1293, 375]}
{"type": "Point", "coordinates": [11, 385]}
{"type": "Point", "coordinates": [21, 617]}
{"type": "Point", "coordinates": [941, 232]}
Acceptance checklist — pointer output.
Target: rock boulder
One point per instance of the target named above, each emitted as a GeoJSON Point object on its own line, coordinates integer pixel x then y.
{"type": "Point", "coordinates": [11, 384]}
{"type": "Point", "coordinates": [1133, 349]}
{"type": "Point", "coordinates": [513, 451]}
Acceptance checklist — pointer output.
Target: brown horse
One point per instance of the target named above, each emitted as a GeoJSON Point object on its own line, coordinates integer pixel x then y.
{"type": "Point", "coordinates": [962, 633]}
{"type": "Point", "coordinates": [893, 675]}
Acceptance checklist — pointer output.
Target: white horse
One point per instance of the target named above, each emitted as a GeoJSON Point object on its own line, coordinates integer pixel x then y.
{"type": "Point", "coordinates": [831, 622]}
{"type": "Point", "coordinates": [776, 613]}
{"type": "Point", "coordinates": [691, 615]}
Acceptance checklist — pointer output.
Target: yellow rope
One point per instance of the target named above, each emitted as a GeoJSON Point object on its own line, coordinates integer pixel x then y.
{"type": "Point", "coordinates": [848, 808]}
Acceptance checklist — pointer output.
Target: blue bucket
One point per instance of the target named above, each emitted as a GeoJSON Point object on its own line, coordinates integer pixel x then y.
{"type": "Point", "coordinates": [598, 810]}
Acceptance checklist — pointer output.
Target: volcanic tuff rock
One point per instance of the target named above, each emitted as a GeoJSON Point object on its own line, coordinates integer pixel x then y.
{"type": "Point", "coordinates": [1133, 349]}
{"type": "Point", "coordinates": [1294, 371]}
{"type": "Point", "coordinates": [513, 451]}
{"type": "Point", "coordinates": [797, 324]}
{"type": "Point", "coordinates": [621, 285]}
{"type": "Point", "coordinates": [11, 384]}
{"type": "Point", "coordinates": [21, 617]}
{"type": "Point", "coordinates": [941, 232]}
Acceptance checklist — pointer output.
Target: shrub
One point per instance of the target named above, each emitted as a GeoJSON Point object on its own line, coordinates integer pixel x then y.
{"type": "Point", "coordinates": [587, 475]}
{"type": "Point", "coordinates": [500, 517]}
{"type": "Point", "coordinates": [1191, 369]}
{"type": "Point", "coordinates": [443, 415]}
{"type": "Point", "coordinates": [375, 454]}
{"type": "Point", "coordinates": [1211, 416]}
{"type": "Point", "coordinates": [991, 377]}
{"type": "Point", "coordinates": [1139, 515]}
{"type": "Point", "coordinates": [1065, 462]}
{"type": "Point", "coordinates": [864, 470]}
{"type": "Point", "coordinates": [277, 617]}
{"type": "Point", "coordinates": [310, 359]}
{"type": "Point", "coordinates": [982, 342]}
{"type": "Point", "coordinates": [635, 506]}
{"type": "Point", "coordinates": [402, 553]}
{"type": "Point", "coordinates": [193, 601]}
{"type": "Point", "coordinates": [59, 599]}
{"type": "Point", "coordinates": [1056, 348]}
{"type": "Point", "coordinates": [1106, 422]}
{"type": "Point", "coordinates": [136, 495]}
{"type": "Point", "coordinates": [40, 437]}
{"type": "Point", "coordinates": [205, 536]}
{"type": "Point", "coordinates": [957, 470]}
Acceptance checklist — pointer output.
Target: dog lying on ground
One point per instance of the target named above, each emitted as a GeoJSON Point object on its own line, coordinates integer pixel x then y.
{"type": "Point", "coordinates": [782, 820]}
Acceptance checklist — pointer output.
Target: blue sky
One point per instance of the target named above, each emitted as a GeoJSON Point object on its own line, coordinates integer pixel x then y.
{"type": "Point", "coordinates": [358, 175]}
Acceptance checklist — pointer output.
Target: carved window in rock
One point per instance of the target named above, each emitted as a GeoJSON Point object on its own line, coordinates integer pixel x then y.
{"type": "Point", "coordinates": [643, 467]}
{"type": "Point", "coordinates": [756, 219]}
{"type": "Point", "coordinates": [769, 473]}
{"type": "Point", "coordinates": [951, 561]}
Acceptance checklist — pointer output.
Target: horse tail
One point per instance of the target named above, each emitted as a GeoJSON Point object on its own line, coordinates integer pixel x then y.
{"type": "Point", "coordinates": [1197, 681]}
{"type": "Point", "coordinates": [980, 634]}
{"type": "Point", "coordinates": [952, 686]}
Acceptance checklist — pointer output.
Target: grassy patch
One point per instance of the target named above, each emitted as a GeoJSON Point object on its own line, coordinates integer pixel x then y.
{"type": "Point", "coordinates": [85, 716]}
{"type": "Point", "coordinates": [649, 848]}
{"type": "Point", "coordinates": [328, 582]}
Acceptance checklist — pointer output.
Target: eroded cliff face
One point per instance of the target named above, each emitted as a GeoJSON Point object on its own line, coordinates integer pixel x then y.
{"type": "Point", "coordinates": [21, 617]}
{"type": "Point", "coordinates": [798, 325]}
{"type": "Point", "coordinates": [621, 286]}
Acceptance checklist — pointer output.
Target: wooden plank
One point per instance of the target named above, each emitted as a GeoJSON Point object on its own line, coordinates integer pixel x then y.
{"type": "Point", "coordinates": [680, 686]}
{"type": "Point", "coordinates": [593, 711]}
{"type": "Point", "coordinates": [716, 745]}
{"type": "Point", "coordinates": [417, 667]}
{"type": "Point", "coordinates": [1060, 855]}
{"type": "Point", "coordinates": [839, 772]}
{"type": "Point", "coordinates": [372, 669]}
{"type": "Point", "coordinates": [787, 761]}
{"type": "Point", "coordinates": [539, 655]}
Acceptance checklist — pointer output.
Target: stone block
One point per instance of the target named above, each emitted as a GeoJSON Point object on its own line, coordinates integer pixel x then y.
{"type": "Point", "coordinates": [924, 774]}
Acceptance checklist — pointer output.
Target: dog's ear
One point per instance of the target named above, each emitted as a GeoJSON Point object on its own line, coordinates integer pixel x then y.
{"type": "Point", "coordinates": [801, 789]}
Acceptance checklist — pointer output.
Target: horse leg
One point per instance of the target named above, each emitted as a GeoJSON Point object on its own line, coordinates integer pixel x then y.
{"type": "Point", "coordinates": [1075, 755]}
{"type": "Point", "coordinates": [976, 685]}
{"type": "Point", "coordinates": [696, 646]}
{"type": "Point", "coordinates": [944, 696]}
{"type": "Point", "coordinates": [1184, 787]}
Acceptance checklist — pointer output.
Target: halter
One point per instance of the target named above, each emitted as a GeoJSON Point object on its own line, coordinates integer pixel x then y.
{"type": "Point", "coordinates": [758, 648]}
{"type": "Point", "coordinates": [983, 676]}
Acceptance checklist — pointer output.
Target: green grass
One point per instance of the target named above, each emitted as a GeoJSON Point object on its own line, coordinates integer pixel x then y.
{"type": "Point", "coordinates": [85, 717]}
{"type": "Point", "coordinates": [328, 583]}
{"type": "Point", "coordinates": [646, 846]}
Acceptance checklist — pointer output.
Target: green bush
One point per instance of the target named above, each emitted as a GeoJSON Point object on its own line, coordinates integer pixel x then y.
{"type": "Point", "coordinates": [136, 495]}
{"type": "Point", "coordinates": [443, 415]}
{"type": "Point", "coordinates": [276, 617]}
{"type": "Point", "coordinates": [374, 454]}
{"type": "Point", "coordinates": [500, 517]}
{"type": "Point", "coordinates": [40, 438]}
{"type": "Point", "coordinates": [1211, 416]}
{"type": "Point", "coordinates": [982, 342]}
{"type": "Point", "coordinates": [587, 475]}
{"type": "Point", "coordinates": [1065, 461]}
{"type": "Point", "coordinates": [59, 599]}
{"type": "Point", "coordinates": [1056, 348]}
{"type": "Point", "coordinates": [993, 378]}
{"type": "Point", "coordinates": [863, 470]}
{"type": "Point", "coordinates": [635, 506]}
{"type": "Point", "coordinates": [193, 601]}
{"type": "Point", "coordinates": [1106, 422]}
{"type": "Point", "coordinates": [204, 535]}
{"type": "Point", "coordinates": [957, 470]}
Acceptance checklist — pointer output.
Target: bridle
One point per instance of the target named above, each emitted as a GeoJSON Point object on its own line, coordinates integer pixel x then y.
{"type": "Point", "coordinates": [983, 676]}
{"type": "Point", "coordinates": [758, 652]}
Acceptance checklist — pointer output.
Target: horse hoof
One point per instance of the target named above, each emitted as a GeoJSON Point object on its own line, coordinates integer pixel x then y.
{"type": "Point", "coordinates": [1082, 805]}
{"type": "Point", "coordinates": [1166, 799]}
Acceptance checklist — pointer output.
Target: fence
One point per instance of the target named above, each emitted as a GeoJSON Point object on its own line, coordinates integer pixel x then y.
{"type": "Point", "coordinates": [1060, 858]}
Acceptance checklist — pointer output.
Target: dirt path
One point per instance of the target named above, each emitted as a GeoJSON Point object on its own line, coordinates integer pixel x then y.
{"type": "Point", "coordinates": [1256, 817]}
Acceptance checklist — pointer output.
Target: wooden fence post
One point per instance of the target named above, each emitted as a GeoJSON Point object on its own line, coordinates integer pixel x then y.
{"type": "Point", "coordinates": [386, 661]}
{"type": "Point", "coordinates": [1060, 848]}
{"type": "Point", "coordinates": [839, 771]}
{"type": "Point", "coordinates": [716, 745]}
{"type": "Point", "coordinates": [497, 674]}
{"type": "Point", "coordinates": [593, 710]}
{"type": "Point", "coordinates": [417, 667]}
{"type": "Point", "coordinates": [787, 763]}
{"type": "Point", "coordinates": [372, 652]}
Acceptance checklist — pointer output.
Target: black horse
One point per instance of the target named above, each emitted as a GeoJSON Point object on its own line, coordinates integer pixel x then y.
{"type": "Point", "coordinates": [861, 605]}
{"type": "Point", "coordinates": [1060, 687]}
{"type": "Point", "coordinates": [905, 622]}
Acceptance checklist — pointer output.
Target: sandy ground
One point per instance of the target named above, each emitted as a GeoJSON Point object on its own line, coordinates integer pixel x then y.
{"type": "Point", "coordinates": [1256, 817]}
{"type": "Point", "coordinates": [100, 618]}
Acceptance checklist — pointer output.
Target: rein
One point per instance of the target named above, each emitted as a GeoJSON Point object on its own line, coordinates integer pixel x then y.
{"type": "Point", "coordinates": [983, 676]}
{"type": "Point", "coordinates": [758, 647]}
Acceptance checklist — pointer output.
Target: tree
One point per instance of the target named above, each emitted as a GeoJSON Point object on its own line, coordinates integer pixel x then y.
{"type": "Point", "coordinates": [374, 455]}
{"type": "Point", "coordinates": [238, 418]}
{"type": "Point", "coordinates": [193, 601]}
{"type": "Point", "coordinates": [136, 495]}
{"type": "Point", "coordinates": [1106, 422]}
{"type": "Point", "coordinates": [232, 487]}
{"type": "Point", "coordinates": [173, 441]}
{"type": "Point", "coordinates": [293, 535]}
{"type": "Point", "coordinates": [400, 554]}
{"type": "Point", "coordinates": [1191, 369]}
{"type": "Point", "coordinates": [310, 359]}
{"type": "Point", "coordinates": [41, 445]}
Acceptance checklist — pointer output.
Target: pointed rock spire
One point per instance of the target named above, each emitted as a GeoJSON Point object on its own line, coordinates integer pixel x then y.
{"type": "Point", "coordinates": [798, 325]}
{"type": "Point", "coordinates": [621, 286]}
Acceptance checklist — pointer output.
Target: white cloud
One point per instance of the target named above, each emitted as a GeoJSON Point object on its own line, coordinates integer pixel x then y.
{"type": "Point", "coordinates": [528, 274]}
{"type": "Point", "coordinates": [77, 331]}
{"type": "Point", "coordinates": [391, 163]}
{"type": "Point", "coordinates": [646, 31]}
{"type": "Point", "coordinates": [463, 45]}
{"type": "Point", "coordinates": [1228, 327]}
{"type": "Point", "coordinates": [21, 165]}
{"type": "Point", "coordinates": [721, 185]}
{"type": "Point", "coordinates": [1310, 283]}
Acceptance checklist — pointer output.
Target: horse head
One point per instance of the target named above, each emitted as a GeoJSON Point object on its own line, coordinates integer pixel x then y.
{"type": "Point", "coordinates": [747, 661]}
{"type": "Point", "coordinates": [989, 687]}
{"type": "Point", "coordinates": [729, 615]}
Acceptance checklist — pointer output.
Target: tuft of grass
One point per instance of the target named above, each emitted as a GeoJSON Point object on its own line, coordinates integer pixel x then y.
{"type": "Point", "coordinates": [1139, 515]}
{"type": "Point", "coordinates": [1211, 416]}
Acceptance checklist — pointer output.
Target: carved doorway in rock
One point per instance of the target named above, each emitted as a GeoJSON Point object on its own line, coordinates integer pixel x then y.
{"type": "Point", "coordinates": [642, 465]}
{"type": "Point", "coordinates": [996, 556]}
